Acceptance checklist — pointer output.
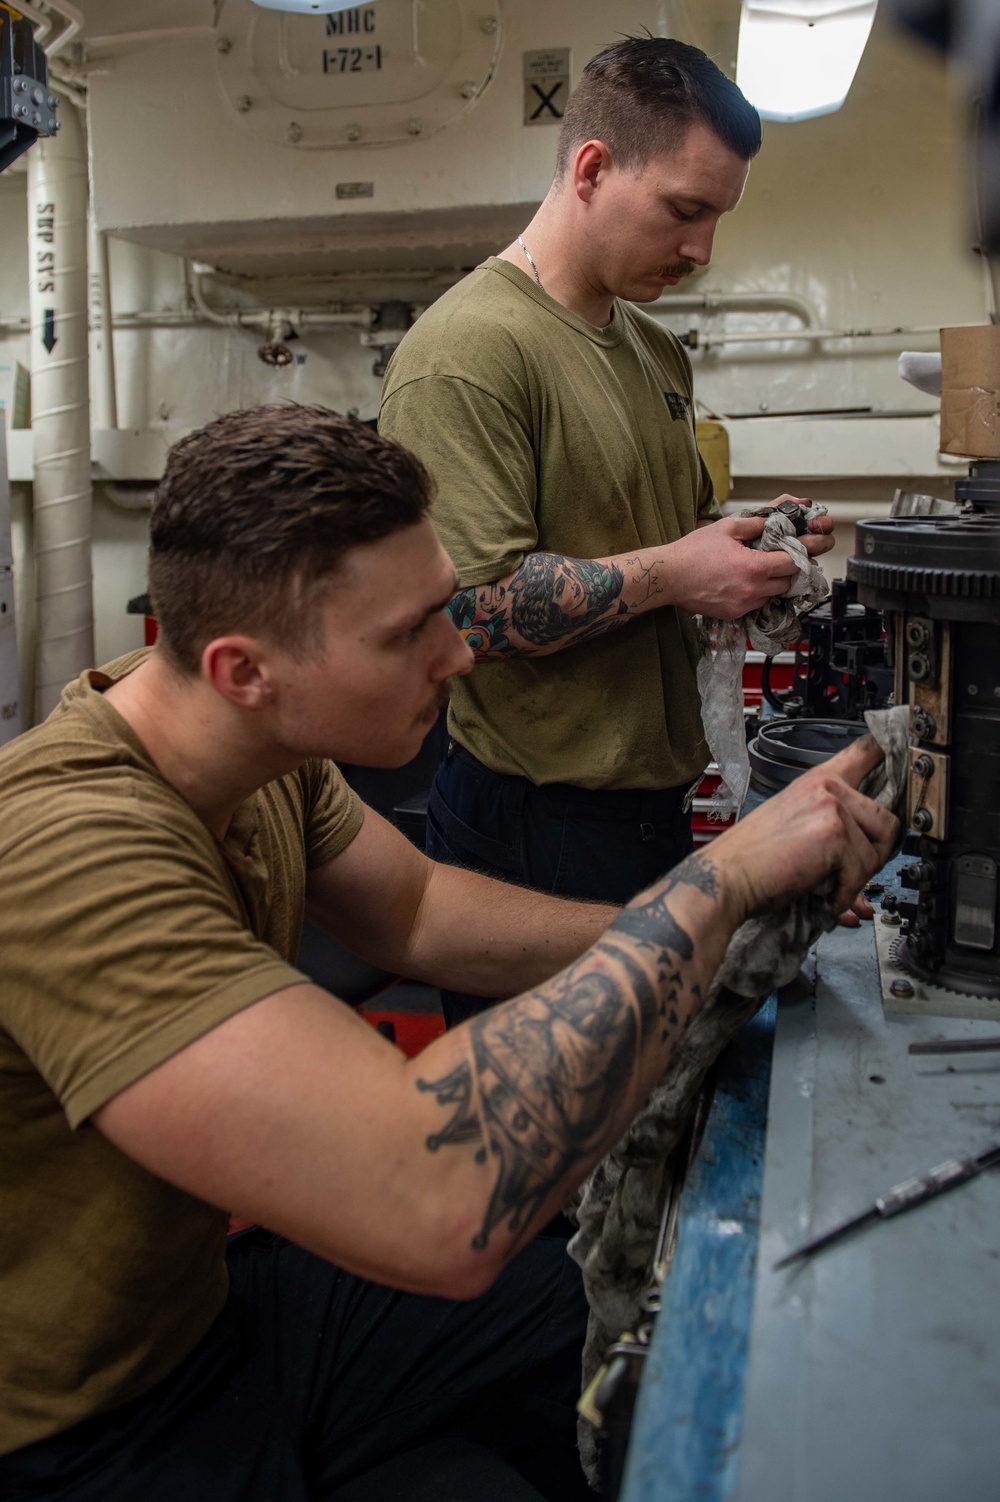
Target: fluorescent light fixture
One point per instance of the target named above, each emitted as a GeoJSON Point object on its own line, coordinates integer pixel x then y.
{"type": "Point", "coordinates": [797, 58]}
{"type": "Point", "coordinates": [308, 7]}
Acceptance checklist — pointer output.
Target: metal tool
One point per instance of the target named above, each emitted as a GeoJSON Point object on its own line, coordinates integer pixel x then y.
{"type": "Point", "coordinates": [957, 1045]}
{"type": "Point", "coordinates": [903, 1197]}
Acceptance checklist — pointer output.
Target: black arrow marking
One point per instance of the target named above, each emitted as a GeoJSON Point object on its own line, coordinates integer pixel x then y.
{"type": "Point", "coordinates": [49, 329]}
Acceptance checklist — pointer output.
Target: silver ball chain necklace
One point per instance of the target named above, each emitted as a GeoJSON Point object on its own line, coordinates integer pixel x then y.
{"type": "Point", "coordinates": [530, 259]}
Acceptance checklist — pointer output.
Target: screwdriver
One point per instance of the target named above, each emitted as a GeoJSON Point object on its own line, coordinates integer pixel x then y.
{"type": "Point", "coordinates": [904, 1196]}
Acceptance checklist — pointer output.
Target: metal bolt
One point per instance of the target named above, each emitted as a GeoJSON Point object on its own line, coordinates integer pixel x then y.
{"type": "Point", "coordinates": [414, 126]}
{"type": "Point", "coordinates": [37, 95]}
{"type": "Point", "coordinates": [468, 91]}
{"type": "Point", "coordinates": [294, 132]}
{"type": "Point", "coordinates": [924, 766]}
{"type": "Point", "coordinates": [489, 25]}
{"type": "Point", "coordinates": [923, 820]}
{"type": "Point", "coordinates": [353, 132]}
{"type": "Point", "coordinates": [243, 103]}
{"type": "Point", "coordinates": [20, 85]}
{"type": "Point", "coordinates": [924, 724]}
{"type": "Point", "coordinates": [901, 988]}
{"type": "Point", "coordinates": [891, 920]}
{"type": "Point", "coordinates": [973, 688]}
{"type": "Point", "coordinates": [996, 692]}
{"type": "Point", "coordinates": [52, 102]}
{"type": "Point", "coordinates": [223, 45]}
{"type": "Point", "coordinates": [874, 888]}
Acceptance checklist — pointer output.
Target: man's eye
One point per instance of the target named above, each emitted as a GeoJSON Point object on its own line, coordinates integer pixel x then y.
{"type": "Point", "coordinates": [679, 214]}
{"type": "Point", "coordinates": [412, 633]}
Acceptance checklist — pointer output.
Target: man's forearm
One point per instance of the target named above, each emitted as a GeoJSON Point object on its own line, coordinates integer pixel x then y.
{"type": "Point", "coordinates": [551, 602]}
{"type": "Point", "coordinates": [490, 938]}
{"type": "Point", "coordinates": [537, 1090]}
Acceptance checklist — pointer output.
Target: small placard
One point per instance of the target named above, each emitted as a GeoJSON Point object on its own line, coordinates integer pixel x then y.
{"type": "Point", "coordinates": [546, 85]}
{"type": "Point", "coordinates": [355, 190]}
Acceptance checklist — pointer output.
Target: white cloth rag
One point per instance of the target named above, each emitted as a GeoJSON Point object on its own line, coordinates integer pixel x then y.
{"type": "Point", "coordinates": [771, 629]}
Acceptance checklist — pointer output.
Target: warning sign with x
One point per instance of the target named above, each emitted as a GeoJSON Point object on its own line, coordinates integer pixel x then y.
{"type": "Point", "coordinates": [546, 85]}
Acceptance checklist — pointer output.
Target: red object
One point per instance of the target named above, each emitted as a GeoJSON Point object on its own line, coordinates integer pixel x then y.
{"type": "Point", "coordinates": [152, 630]}
{"type": "Point", "coordinates": [414, 1030]}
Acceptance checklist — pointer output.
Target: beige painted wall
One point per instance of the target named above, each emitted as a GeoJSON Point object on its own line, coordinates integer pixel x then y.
{"type": "Point", "coordinates": [862, 213]}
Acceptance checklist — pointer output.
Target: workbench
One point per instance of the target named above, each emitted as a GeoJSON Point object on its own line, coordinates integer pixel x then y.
{"type": "Point", "coordinates": [871, 1371]}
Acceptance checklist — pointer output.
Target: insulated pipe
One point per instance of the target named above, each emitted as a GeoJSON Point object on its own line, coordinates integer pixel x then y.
{"type": "Point", "coordinates": [102, 327]}
{"type": "Point", "coordinates": [57, 248]}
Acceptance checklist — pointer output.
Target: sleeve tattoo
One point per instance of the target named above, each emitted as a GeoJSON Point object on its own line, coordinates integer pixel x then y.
{"type": "Point", "coordinates": [549, 599]}
{"type": "Point", "coordinates": [548, 1071]}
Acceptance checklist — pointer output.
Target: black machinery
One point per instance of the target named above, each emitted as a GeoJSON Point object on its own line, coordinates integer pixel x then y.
{"type": "Point", "coordinates": [28, 109]}
{"type": "Point", "coordinates": [937, 578]}
{"type": "Point", "coordinates": [840, 664]}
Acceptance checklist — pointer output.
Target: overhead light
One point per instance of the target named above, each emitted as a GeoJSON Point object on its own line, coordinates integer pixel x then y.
{"type": "Point", "coordinates": [797, 58]}
{"type": "Point", "coordinates": [308, 7]}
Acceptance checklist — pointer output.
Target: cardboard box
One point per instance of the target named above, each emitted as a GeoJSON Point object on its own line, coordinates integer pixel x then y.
{"type": "Point", "coordinates": [15, 395]}
{"type": "Point", "coordinates": [970, 391]}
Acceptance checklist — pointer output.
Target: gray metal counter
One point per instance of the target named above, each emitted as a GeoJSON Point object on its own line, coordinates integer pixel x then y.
{"type": "Point", "coordinates": [870, 1373]}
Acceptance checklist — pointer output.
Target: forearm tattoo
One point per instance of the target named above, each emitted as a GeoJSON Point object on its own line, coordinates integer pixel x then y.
{"type": "Point", "coordinates": [549, 599]}
{"type": "Point", "coordinates": [549, 1070]}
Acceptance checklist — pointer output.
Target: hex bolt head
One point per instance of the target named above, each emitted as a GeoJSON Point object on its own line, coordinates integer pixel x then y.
{"type": "Point", "coordinates": [489, 25]}
{"type": "Point", "coordinates": [923, 820]}
{"type": "Point", "coordinates": [20, 84]}
{"type": "Point", "coordinates": [891, 920]}
{"type": "Point", "coordinates": [468, 90]}
{"type": "Point", "coordinates": [924, 766]}
{"type": "Point", "coordinates": [353, 132]}
{"type": "Point", "coordinates": [223, 45]}
{"type": "Point", "coordinates": [294, 132]}
{"type": "Point", "coordinates": [242, 104]}
{"type": "Point", "coordinates": [414, 126]}
{"type": "Point", "coordinates": [901, 988]}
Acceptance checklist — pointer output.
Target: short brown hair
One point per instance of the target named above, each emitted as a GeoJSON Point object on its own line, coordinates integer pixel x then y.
{"type": "Point", "coordinates": [255, 513]}
{"type": "Point", "coordinates": [641, 95]}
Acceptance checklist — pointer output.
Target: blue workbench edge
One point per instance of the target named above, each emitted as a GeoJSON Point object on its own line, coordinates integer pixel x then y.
{"type": "Point", "coordinates": [686, 1431]}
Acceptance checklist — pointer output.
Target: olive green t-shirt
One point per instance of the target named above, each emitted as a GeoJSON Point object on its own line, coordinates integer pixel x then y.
{"type": "Point", "coordinates": [545, 434]}
{"type": "Point", "coordinates": [127, 930]}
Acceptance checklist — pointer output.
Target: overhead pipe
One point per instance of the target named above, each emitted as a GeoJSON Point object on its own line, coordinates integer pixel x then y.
{"type": "Point", "coordinates": [57, 247]}
{"type": "Point", "coordinates": [702, 339]}
{"type": "Point", "coordinates": [272, 321]}
{"type": "Point", "coordinates": [723, 302]}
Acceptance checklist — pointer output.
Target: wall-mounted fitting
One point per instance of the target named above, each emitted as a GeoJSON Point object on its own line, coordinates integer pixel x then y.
{"type": "Point", "coordinates": [469, 90]}
{"type": "Point", "coordinates": [294, 133]}
{"type": "Point", "coordinates": [414, 126]}
{"type": "Point", "coordinates": [223, 45]}
{"type": "Point", "coordinates": [489, 25]}
{"type": "Point", "coordinates": [392, 319]}
{"type": "Point", "coordinates": [353, 132]}
{"type": "Point", "coordinates": [243, 103]}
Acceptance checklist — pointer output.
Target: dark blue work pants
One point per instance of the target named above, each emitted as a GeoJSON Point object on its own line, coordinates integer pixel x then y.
{"type": "Point", "coordinates": [317, 1386]}
{"type": "Point", "coordinates": [573, 842]}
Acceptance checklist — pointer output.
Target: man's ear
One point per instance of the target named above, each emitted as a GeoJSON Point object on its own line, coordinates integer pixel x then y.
{"type": "Point", "coordinates": [238, 669]}
{"type": "Point", "coordinates": [592, 161]}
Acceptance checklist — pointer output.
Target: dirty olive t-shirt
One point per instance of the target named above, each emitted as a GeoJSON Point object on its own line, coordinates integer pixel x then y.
{"type": "Point", "coordinates": [127, 931]}
{"type": "Point", "coordinates": [545, 434]}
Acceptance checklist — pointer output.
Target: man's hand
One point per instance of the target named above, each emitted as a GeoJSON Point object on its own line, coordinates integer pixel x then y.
{"type": "Point", "coordinates": [817, 827]}
{"type": "Point", "coordinates": [712, 573]}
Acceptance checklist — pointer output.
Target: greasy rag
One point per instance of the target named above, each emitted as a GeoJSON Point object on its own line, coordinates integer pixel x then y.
{"type": "Point", "coordinates": [770, 629]}
{"type": "Point", "coordinates": [619, 1207]}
